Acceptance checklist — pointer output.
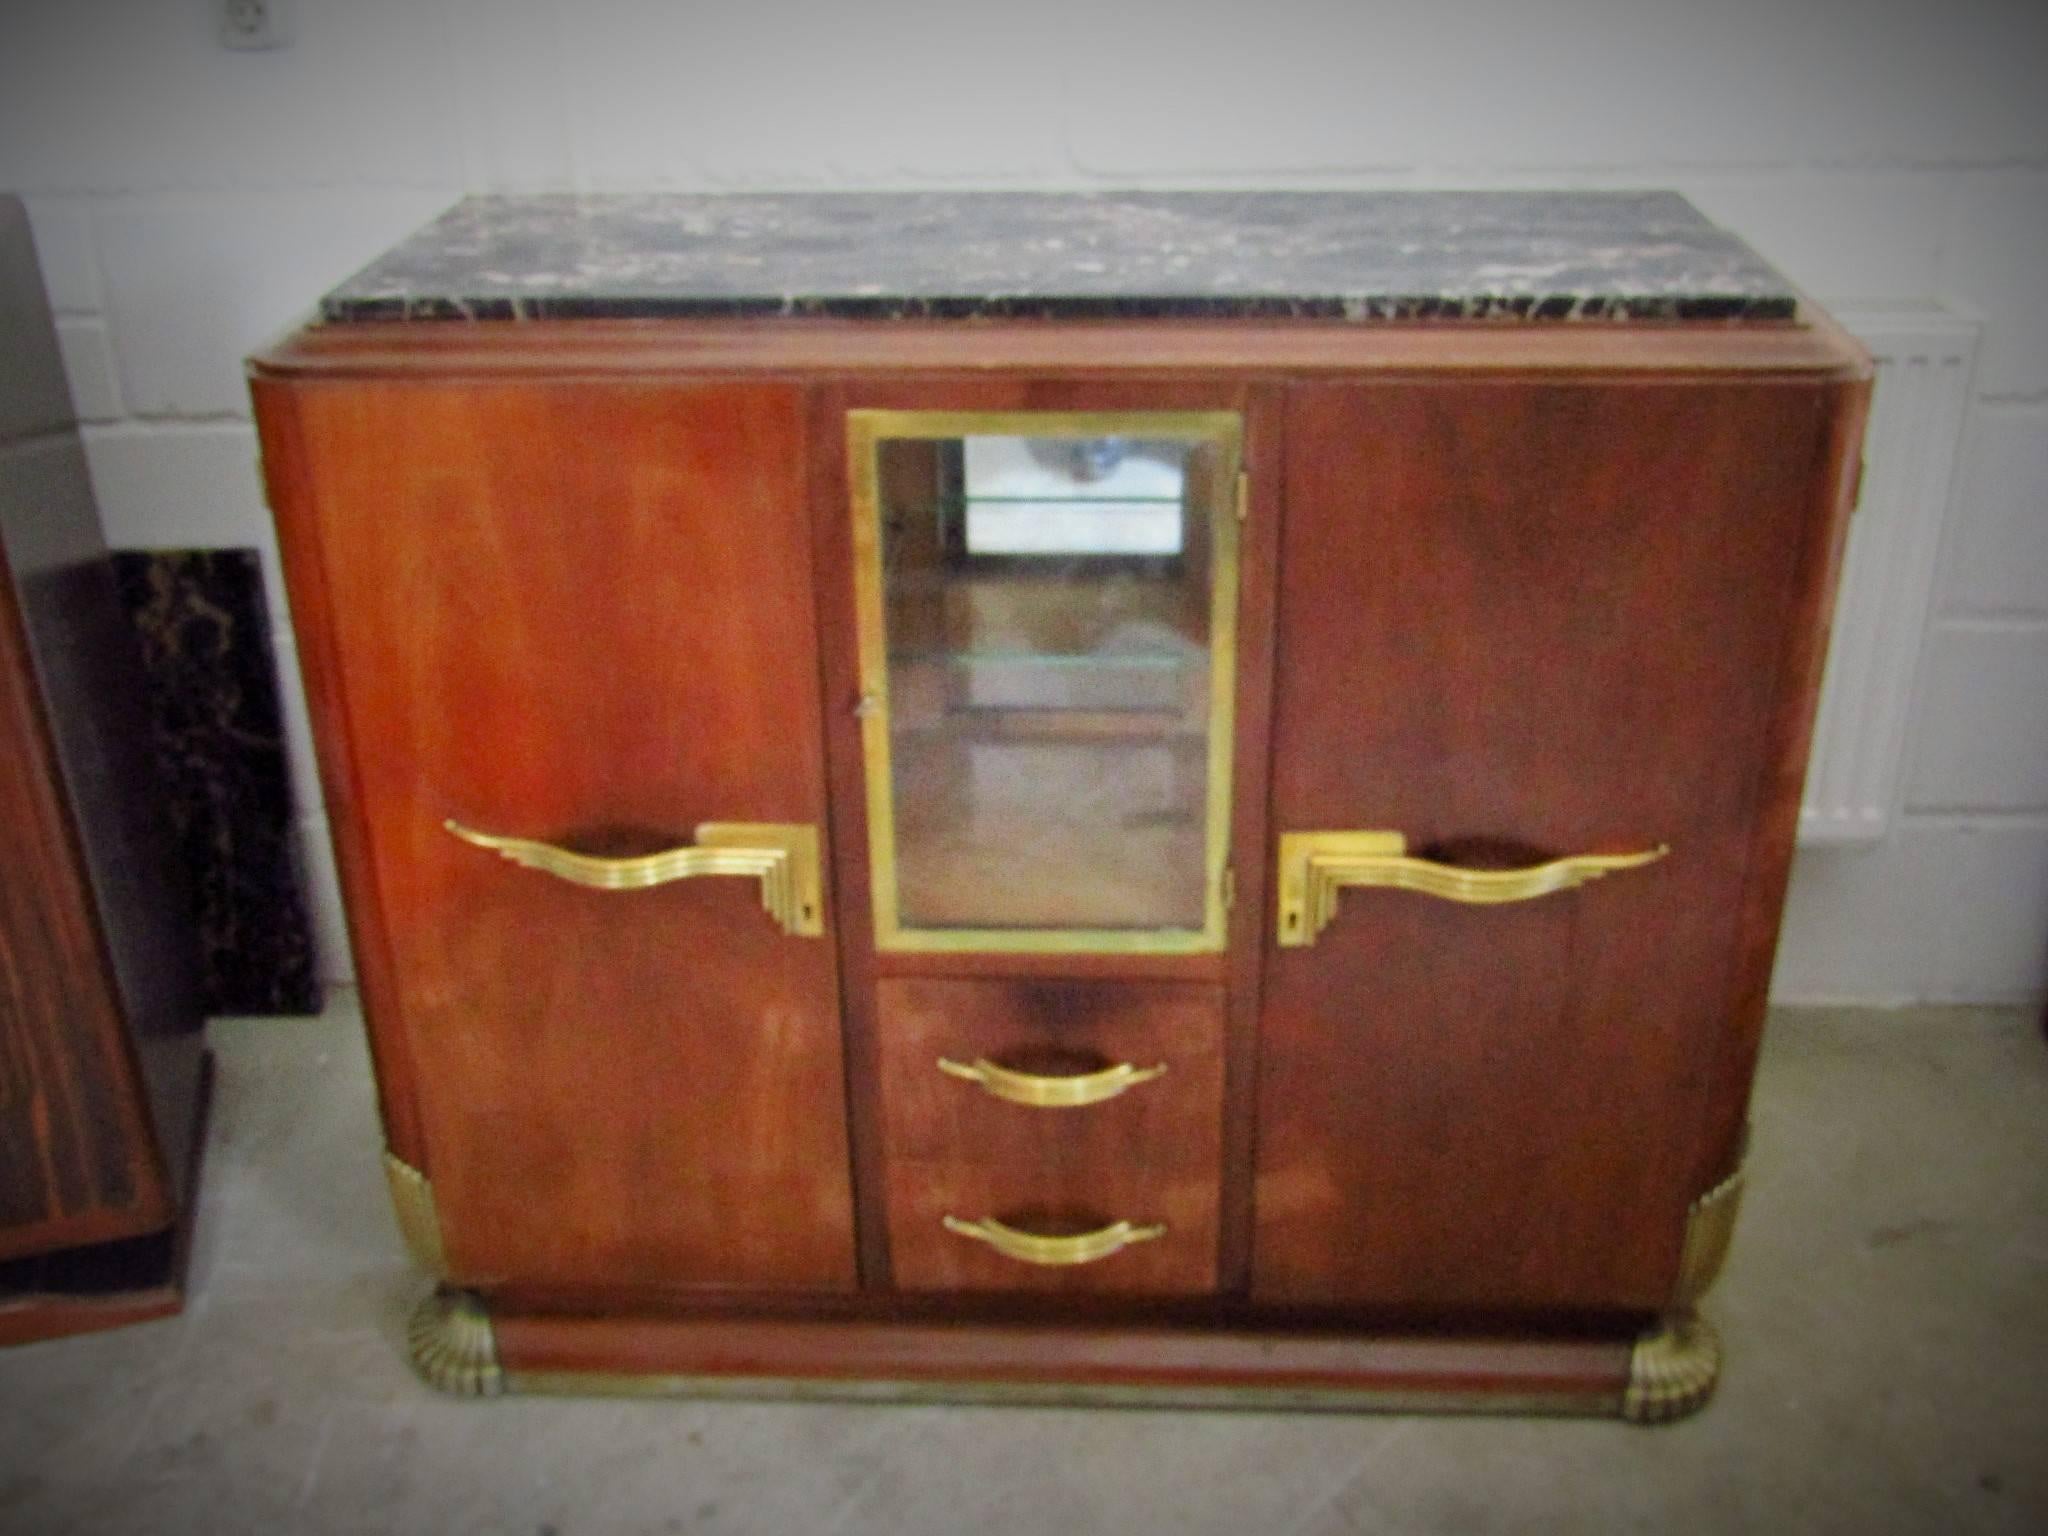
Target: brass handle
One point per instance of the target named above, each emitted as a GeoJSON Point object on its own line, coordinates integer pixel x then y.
{"type": "Point", "coordinates": [1041, 1092]}
{"type": "Point", "coordinates": [783, 857]}
{"type": "Point", "coordinates": [1315, 866]}
{"type": "Point", "coordinates": [1035, 1248]}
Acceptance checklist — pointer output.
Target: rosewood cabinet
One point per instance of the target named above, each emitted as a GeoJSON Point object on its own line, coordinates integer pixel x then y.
{"type": "Point", "coordinates": [102, 1060]}
{"type": "Point", "coordinates": [1210, 858]}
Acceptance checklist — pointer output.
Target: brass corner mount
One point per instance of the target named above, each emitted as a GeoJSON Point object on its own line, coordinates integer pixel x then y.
{"type": "Point", "coordinates": [452, 1346]}
{"type": "Point", "coordinates": [419, 1222]}
{"type": "Point", "coordinates": [1673, 1368]}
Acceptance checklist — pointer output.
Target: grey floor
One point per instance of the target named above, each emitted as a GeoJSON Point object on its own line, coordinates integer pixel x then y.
{"type": "Point", "coordinates": [1885, 1314]}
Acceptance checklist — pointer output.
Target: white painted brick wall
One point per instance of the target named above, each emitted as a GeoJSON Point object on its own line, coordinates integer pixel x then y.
{"type": "Point", "coordinates": [2001, 544]}
{"type": "Point", "coordinates": [1997, 247]}
{"type": "Point", "coordinates": [197, 280]}
{"type": "Point", "coordinates": [138, 96]}
{"type": "Point", "coordinates": [89, 366]}
{"type": "Point", "coordinates": [62, 227]}
{"type": "Point", "coordinates": [188, 202]}
{"type": "Point", "coordinates": [1982, 736]}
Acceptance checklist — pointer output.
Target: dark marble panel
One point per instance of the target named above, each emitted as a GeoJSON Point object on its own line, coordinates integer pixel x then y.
{"type": "Point", "coordinates": [219, 738]}
{"type": "Point", "coordinates": [1342, 256]}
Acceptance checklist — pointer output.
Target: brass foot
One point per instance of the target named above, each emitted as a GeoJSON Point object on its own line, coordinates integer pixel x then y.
{"type": "Point", "coordinates": [452, 1345]}
{"type": "Point", "coordinates": [1673, 1370]}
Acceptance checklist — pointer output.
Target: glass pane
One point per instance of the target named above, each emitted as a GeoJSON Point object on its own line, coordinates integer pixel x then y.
{"type": "Point", "coordinates": [1046, 605]}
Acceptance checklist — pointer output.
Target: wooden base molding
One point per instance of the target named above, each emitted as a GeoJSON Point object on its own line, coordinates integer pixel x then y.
{"type": "Point", "coordinates": [462, 1346]}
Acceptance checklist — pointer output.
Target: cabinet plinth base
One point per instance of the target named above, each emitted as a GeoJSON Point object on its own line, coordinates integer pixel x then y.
{"type": "Point", "coordinates": [110, 1285]}
{"type": "Point", "coordinates": [467, 1346]}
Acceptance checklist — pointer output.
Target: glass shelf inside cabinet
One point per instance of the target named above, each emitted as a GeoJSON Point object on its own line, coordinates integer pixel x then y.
{"type": "Point", "coordinates": [1047, 610]}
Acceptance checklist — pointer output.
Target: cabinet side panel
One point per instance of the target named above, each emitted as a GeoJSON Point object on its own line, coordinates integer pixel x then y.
{"type": "Point", "coordinates": [1830, 491]}
{"type": "Point", "coordinates": [581, 615]}
{"type": "Point", "coordinates": [294, 495]}
{"type": "Point", "coordinates": [72, 1138]}
{"type": "Point", "coordinates": [1520, 620]}
{"type": "Point", "coordinates": [87, 674]}
{"type": "Point", "coordinates": [99, 1018]}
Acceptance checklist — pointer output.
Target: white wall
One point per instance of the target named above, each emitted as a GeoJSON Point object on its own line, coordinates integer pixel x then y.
{"type": "Point", "coordinates": [190, 202]}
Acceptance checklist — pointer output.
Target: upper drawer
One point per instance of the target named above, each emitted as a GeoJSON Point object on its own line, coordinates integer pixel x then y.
{"type": "Point", "coordinates": [1008, 1146]}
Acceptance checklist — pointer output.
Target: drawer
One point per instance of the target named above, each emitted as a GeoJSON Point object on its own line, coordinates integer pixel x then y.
{"type": "Point", "coordinates": [1147, 1151]}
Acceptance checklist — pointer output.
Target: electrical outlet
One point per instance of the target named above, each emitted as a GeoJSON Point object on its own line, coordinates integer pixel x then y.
{"type": "Point", "coordinates": [256, 24]}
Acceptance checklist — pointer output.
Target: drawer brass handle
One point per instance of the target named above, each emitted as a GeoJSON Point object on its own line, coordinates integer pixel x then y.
{"type": "Point", "coordinates": [1040, 1092]}
{"type": "Point", "coordinates": [1035, 1248]}
{"type": "Point", "coordinates": [783, 857]}
{"type": "Point", "coordinates": [1315, 866]}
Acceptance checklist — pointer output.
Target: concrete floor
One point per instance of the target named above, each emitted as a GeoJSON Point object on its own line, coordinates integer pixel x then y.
{"type": "Point", "coordinates": [1885, 1313]}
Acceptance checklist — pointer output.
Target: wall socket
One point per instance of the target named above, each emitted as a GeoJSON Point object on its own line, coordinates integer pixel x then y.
{"type": "Point", "coordinates": [256, 24]}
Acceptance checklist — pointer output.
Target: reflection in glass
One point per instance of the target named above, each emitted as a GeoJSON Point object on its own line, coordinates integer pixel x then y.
{"type": "Point", "coordinates": [1048, 605]}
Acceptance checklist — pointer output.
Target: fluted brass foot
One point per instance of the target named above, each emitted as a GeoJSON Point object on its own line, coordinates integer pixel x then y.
{"type": "Point", "coordinates": [1673, 1370]}
{"type": "Point", "coordinates": [452, 1345]}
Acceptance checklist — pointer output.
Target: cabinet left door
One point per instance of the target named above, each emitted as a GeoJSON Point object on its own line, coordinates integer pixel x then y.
{"type": "Point", "coordinates": [552, 629]}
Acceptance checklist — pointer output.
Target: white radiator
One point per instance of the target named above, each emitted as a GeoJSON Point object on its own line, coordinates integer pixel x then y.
{"type": "Point", "coordinates": [1924, 357]}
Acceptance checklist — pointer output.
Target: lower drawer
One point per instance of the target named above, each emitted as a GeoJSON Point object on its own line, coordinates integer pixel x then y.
{"type": "Point", "coordinates": [973, 1176]}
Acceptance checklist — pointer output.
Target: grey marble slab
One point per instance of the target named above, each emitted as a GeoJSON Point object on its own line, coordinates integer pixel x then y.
{"type": "Point", "coordinates": [1325, 255]}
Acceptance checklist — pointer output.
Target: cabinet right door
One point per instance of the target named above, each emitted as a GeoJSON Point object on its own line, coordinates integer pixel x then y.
{"type": "Point", "coordinates": [1522, 622]}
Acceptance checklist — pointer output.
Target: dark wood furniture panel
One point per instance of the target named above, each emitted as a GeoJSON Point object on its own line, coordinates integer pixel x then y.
{"type": "Point", "coordinates": [100, 1048]}
{"type": "Point", "coordinates": [1156, 1365]}
{"type": "Point", "coordinates": [81, 1156]}
{"type": "Point", "coordinates": [1522, 620]}
{"type": "Point", "coordinates": [581, 616]}
{"type": "Point", "coordinates": [1150, 1155]}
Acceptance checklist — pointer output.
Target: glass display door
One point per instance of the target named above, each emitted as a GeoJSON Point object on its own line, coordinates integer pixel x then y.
{"type": "Point", "coordinates": [1047, 608]}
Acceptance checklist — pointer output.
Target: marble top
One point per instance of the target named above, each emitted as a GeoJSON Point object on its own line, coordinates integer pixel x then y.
{"type": "Point", "coordinates": [1347, 256]}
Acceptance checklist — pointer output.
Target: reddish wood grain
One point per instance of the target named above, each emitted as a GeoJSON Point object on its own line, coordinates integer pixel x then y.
{"type": "Point", "coordinates": [70, 1121]}
{"type": "Point", "coordinates": [110, 1284]}
{"type": "Point", "coordinates": [583, 615]}
{"type": "Point", "coordinates": [1584, 1372]}
{"type": "Point", "coordinates": [290, 488]}
{"type": "Point", "coordinates": [1520, 621]}
{"type": "Point", "coordinates": [1151, 1155]}
{"type": "Point", "coordinates": [1832, 488]}
{"type": "Point", "coordinates": [99, 1006]}
{"type": "Point", "coordinates": [1250, 839]}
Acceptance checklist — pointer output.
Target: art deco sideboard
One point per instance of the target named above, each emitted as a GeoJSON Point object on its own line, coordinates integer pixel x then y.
{"type": "Point", "coordinates": [1174, 798]}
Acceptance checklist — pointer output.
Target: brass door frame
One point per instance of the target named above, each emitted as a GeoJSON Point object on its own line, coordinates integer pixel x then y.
{"type": "Point", "coordinates": [866, 431]}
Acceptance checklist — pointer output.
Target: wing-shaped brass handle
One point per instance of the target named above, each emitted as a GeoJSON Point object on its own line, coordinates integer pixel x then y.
{"type": "Point", "coordinates": [1043, 1092]}
{"type": "Point", "coordinates": [1315, 866]}
{"type": "Point", "coordinates": [1034, 1248]}
{"type": "Point", "coordinates": [783, 857]}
